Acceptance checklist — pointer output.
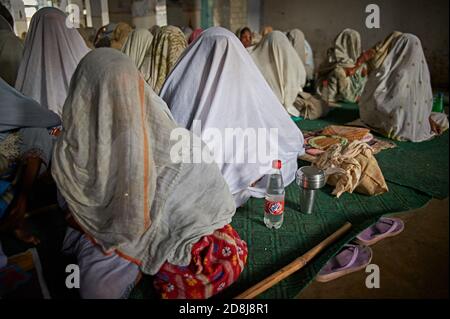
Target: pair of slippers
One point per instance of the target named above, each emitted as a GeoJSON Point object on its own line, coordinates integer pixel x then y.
{"type": "Point", "coordinates": [355, 257]}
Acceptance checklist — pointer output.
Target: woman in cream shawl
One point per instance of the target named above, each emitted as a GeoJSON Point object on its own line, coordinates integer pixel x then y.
{"type": "Point", "coordinates": [52, 52]}
{"type": "Point", "coordinates": [217, 86]}
{"type": "Point", "coordinates": [335, 82]}
{"type": "Point", "coordinates": [120, 35]}
{"type": "Point", "coordinates": [126, 189]}
{"type": "Point", "coordinates": [11, 50]}
{"type": "Point", "coordinates": [282, 68]}
{"type": "Point", "coordinates": [298, 41]}
{"type": "Point", "coordinates": [397, 100]}
{"type": "Point", "coordinates": [167, 46]}
{"type": "Point", "coordinates": [137, 47]}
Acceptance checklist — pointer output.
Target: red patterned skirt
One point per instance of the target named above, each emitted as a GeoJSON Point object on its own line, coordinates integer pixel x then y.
{"type": "Point", "coordinates": [217, 261]}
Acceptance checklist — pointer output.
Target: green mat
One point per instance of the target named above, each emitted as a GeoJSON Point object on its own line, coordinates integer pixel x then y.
{"type": "Point", "coordinates": [270, 250]}
{"type": "Point", "coordinates": [422, 166]}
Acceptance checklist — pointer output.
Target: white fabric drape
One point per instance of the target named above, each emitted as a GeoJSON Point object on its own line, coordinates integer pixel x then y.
{"type": "Point", "coordinates": [113, 165]}
{"type": "Point", "coordinates": [282, 68]}
{"type": "Point", "coordinates": [52, 52]}
{"type": "Point", "coordinates": [217, 83]}
{"type": "Point", "coordinates": [397, 99]}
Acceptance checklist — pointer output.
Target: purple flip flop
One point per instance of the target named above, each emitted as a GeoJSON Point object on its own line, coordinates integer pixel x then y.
{"type": "Point", "coordinates": [350, 259]}
{"type": "Point", "coordinates": [384, 228]}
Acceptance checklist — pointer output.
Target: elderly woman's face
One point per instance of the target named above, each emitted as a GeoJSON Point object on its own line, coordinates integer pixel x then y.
{"type": "Point", "coordinates": [246, 38]}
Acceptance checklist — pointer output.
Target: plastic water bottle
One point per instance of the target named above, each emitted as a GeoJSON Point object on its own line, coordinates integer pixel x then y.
{"type": "Point", "coordinates": [274, 204]}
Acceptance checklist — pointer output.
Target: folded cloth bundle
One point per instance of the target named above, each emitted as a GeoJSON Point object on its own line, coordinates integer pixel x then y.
{"type": "Point", "coordinates": [352, 168]}
{"type": "Point", "coordinates": [310, 107]}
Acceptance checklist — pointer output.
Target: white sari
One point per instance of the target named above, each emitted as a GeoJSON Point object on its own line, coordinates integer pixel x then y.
{"type": "Point", "coordinates": [217, 83]}
{"type": "Point", "coordinates": [282, 68]}
{"type": "Point", "coordinates": [52, 52]}
{"type": "Point", "coordinates": [397, 99]}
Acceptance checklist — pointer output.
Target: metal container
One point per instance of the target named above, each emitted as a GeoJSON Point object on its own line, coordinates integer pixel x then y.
{"type": "Point", "coordinates": [309, 179]}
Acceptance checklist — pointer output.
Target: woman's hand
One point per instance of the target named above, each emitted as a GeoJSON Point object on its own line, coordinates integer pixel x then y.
{"type": "Point", "coordinates": [350, 71]}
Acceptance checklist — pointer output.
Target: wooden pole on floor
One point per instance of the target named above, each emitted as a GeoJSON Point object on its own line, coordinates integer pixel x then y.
{"type": "Point", "coordinates": [297, 264]}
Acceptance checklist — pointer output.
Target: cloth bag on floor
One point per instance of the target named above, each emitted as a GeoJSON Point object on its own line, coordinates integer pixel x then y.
{"type": "Point", "coordinates": [352, 168]}
{"type": "Point", "coordinates": [310, 107]}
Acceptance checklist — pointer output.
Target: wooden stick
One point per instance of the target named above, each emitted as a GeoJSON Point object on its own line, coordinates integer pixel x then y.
{"type": "Point", "coordinates": [297, 264]}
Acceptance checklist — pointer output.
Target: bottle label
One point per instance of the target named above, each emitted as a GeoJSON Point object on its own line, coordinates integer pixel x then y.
{"type": "Point", "coordinates": [274, 208]}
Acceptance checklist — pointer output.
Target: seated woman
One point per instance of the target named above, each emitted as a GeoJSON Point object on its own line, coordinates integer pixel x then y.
{"type": "Point", "coordinates": [216, 88]}
{"type": "Point", "coordinates": [338, 79]}
{"type": "Point", "coordinates": [120, 35]}
{"type": "Point", "coordinates": [283, 69]}
{"type": "Point", "coordinates": [167, 46]}
{"type": "Point", "coordinates": [104, 35]}
{"type": "Point", "coordinates": [134, 206]}
{"type": "Point", "coordinates": [194, 35]}
{"type": "Point", "coordinates": [137, 47]}
{"type": "Point", "coordinates": [25, 150]}
{"type": "Point", "coordinates": [304, 51]}
{"type": "Point", "coordinates": [245, 36]}
{"type": "Point", "coordinates": [49, 59]}
{"type": "Point", "coordinates": [397, 100]}
{"type": "Point", "coordinates": [11, 50]}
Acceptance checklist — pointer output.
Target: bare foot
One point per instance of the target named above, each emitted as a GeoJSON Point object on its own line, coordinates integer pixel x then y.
{"type": "Point", "coordinates": [23, 234]}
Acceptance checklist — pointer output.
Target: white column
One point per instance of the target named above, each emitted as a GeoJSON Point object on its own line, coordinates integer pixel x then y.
{"type": "Point", "coordinates": [254, 15]}
{"type": "Point", "coordinates": [105, 12]}
{"type": "Point", "coordinates": [89, 23]}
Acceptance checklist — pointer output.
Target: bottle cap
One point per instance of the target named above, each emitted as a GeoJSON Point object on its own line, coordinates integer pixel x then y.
{"type": "Point", "coordinates": [276, 164]}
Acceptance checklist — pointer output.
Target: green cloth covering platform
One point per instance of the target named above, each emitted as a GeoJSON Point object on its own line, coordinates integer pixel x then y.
{"type": "Point", "coordinates": [415, 172]}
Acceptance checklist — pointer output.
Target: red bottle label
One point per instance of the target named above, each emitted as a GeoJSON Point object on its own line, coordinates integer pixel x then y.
{"type": "Point", "coordinates": [274, 208]}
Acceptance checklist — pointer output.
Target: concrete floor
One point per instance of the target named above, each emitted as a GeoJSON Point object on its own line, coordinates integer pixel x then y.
{"type": "Point", "coordinates": [414, 264]}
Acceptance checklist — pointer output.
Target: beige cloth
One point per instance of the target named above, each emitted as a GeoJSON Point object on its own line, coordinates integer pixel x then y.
{"type": "Point", "coordinates": [137, 47]}
{"type": "Point", "coordinates": [352, 168]}
{"type": "Point", "coordinates": [381, 51]}
{"type": "Point", "coordinates": [344, 54]}
{"type": "Point", "coordinates": [120, 35]}
{"type": "Point", "coordinates": [281, 67]}
{"type": "Point", "coordinates": [114, 165]}
{"type": "Point", "coordinates": [167, 46]}
{"type": "Point", "coordinates": [397, 99]}
{"type": "Point", "coordinates": [311, 107]}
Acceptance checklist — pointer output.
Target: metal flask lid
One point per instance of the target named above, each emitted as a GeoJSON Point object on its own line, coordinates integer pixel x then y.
{"type": "Point", "coordinates": [310, 177]}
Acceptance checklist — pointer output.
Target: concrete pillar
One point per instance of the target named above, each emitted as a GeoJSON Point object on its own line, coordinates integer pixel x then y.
{"type": "Point", "coordinates": [99, 13]}
{"type": "Point", "coordinates": [254, 15]}
{"type": "Point", "coordinates": [17, 10]}
{"type": "Point", "coordinates": [143, 13]}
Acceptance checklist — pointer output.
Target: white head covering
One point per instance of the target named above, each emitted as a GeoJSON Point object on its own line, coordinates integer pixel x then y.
{"type": "Point", "coordinates": [281, 66]}
{"type": "Point", "coordinates": [113, 165]}
{"type": "Point", "coordinates": [216, 82]}
{"type": "Point", "coordinates": [298, 40]}
{"type": "Point", "coordinates": [19, 111]}
{"type": "Point", "coordinates": [347, 48]}
{"type": "Point", "coordinates": [137, 47]}
{"type": "Point", "coordinates": [11, 50]}
{"type": "Point", "coordinates": [52, 52]}
{"type": "Point", "coordinates": [397, 99]}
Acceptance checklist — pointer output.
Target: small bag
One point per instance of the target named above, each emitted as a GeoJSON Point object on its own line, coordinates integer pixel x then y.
{"type": "Point", "coordinates": [352, 168]}
{"type": "Point", "coordinates": [311, 107]}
